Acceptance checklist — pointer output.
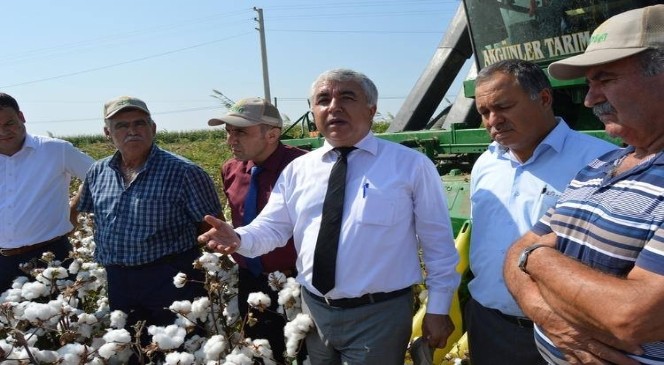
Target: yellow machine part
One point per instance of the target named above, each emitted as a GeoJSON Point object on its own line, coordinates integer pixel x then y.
{"type": "Point", "coordinates": [456, 343]}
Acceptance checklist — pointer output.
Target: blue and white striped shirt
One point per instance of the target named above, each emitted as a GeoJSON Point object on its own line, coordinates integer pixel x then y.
{"type": "Point", "coordinates": [156, 215]}
{"type": "Point", "coordinates": [611, 224]}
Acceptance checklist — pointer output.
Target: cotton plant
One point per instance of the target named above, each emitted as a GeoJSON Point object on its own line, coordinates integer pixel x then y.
{"type": "Point", "coordinates": [59, 314]}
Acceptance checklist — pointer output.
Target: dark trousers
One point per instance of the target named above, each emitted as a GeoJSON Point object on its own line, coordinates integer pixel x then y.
{"type": "Point", "coordinates": [145, 292]}
{"type": "Point", "coordinates": [10, 265]}
{"type": "Point", "coordinates": [495, 340]}
{"type": "Point", "coordinates": [269, 324]}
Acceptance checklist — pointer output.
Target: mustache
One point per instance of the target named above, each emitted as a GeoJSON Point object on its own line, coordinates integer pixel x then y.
{"type": "Point", "coordinates": [604, 108]}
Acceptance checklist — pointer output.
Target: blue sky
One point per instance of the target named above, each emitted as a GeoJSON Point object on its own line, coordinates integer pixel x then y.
{"type": "Point", "coordinates": [65, 59]}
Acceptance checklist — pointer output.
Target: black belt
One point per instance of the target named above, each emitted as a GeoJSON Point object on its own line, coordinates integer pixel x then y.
{"type": "Point", "coordinates": [522, 322]}
{"type": "Point", "coordinates": [360, 301]}
{"type": "Point", "coordinates": [28, 248]}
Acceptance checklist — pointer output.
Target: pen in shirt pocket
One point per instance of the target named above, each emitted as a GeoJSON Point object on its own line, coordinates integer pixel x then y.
{"type": "Point", "coordinates": [550, 192]}
{"type": "Point", "coordinates": [365, 186]}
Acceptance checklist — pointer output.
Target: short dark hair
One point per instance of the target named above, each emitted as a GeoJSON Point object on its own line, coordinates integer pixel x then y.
{"type": "Point", "coordinates": [7, 101]}
{"type": "Point", "coordinates": [652, 61]}
{"type": "Point", "coordinates": [530, 76]}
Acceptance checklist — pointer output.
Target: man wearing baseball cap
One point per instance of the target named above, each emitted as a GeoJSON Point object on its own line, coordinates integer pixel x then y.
{"type": "Point", "coordinates": [591, 273]}
{"type": "Point", "coordinates": [253, 128]}
{"type": "Point", "coordinates": [148, 207]}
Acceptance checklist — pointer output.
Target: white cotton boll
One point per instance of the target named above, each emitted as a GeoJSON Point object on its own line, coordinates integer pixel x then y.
{"type": "Point", "coordinates": [103, 309]}
{"type": "Point", "coordinates": [108, 350]}
{"type": "Point", "coordinates": [121, 336]}
{"type": "Point", "coordinates": [262, 349]}
{"type": "Point", "coordinates": [71, 354]}
{"type": "Point", "coordinates": [200, 307]}
{"type": "Point", "coordinates": [209, 261]}
{"type": "Point", "coordinates": [238, 359]}
{"type": "Point", "coordinates": [54, 273]}
{"type": "Point", "coordinates": [35, 289]}
{"type": "Point", "coordinates": [289, 298]}
{"type": "Point", "coordinates": [74, 267]}
{"type": "Point", "coordinates": [87, 318]}
{"type": "Point", "coordinates": [276, 280]}
{"type": "Point", "coordinates": [39, 312]}
{"type": "Point", "coordinates": [118, 319]}
{"type": "Point", "coordinates": [179, 280]}
{"type": "Point", "coordinates": [167, 338]}
{"type": "Point", "coordinates": [19, 281]}
{"type": "Point", "coordinates": [259, 300]}
{"type": "Point", "coordinates": [179, 358]}
{"type": "Point", "coordinates": [69, 304]}
{"type": "Point", "coordinates": [296, 330]}
{"type": "Point", "coordinates": [180, 306]}
{"type": "Point", "coordinates": [11, 295]}
{"type": "Point", "coordinates": [214, 347]}
{"type": "Point", "coordinates": [45, 356]}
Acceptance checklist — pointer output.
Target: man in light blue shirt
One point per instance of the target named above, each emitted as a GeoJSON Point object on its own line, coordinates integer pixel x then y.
{"type": "Point", "coordinates": [533, 157]}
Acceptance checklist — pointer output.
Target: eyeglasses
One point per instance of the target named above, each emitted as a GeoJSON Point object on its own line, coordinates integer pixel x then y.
{"type": "Point", "coordinates": [137, 124]}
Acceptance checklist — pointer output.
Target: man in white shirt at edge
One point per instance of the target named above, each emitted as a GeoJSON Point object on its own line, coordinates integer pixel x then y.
{"type": "Point", "coordinates": [35, 211]}
{"type": "Point", "coordinates": [394, 204]}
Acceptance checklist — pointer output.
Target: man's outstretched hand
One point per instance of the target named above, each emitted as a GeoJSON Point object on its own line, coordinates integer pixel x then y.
{"type": "Point", "coordinates": [221, 237]}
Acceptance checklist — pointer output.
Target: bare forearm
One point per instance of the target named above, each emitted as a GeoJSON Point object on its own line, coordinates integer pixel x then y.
{"type": "Point", "coordinates": [623, 307]}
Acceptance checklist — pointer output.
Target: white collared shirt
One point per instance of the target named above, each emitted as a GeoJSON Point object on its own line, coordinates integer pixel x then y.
{"type": "Point", "coordinates": [394, 196]}
{"type": "Point", "coordinates": [34, 190]}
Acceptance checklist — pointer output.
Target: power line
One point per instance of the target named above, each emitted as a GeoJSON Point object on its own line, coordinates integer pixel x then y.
{"type": "Point", "coordinates": [122, 63]}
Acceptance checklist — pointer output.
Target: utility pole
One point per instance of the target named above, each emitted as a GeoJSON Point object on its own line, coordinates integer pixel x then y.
{"type": "Point", "coordinates": [261, 31]}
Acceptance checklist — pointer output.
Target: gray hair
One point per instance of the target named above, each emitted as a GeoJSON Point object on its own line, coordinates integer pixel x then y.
{"type": "Point", "coordinates": [652, 61]}
{"type": "Point", "coordinates": [527, 74]}
{"type": "Point", "coordinates": [344, 75]}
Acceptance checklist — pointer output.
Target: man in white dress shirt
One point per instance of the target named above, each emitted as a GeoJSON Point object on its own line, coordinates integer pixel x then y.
{"type": "Point", "coordinates": [394, 204]}
{"type": "Point", "coordinates": [35, 213]}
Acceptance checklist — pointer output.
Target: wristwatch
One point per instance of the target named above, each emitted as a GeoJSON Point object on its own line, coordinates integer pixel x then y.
{"type": "Point", "coordinates": [523, 258]}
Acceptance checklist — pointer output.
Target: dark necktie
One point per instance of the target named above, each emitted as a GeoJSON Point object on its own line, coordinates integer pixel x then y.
{"type": "Point", "coordinates": [325, 255]}
{"type": "Point", "coordinates": [250, 212]}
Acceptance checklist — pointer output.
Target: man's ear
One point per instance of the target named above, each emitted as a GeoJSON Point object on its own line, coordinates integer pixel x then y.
{"type": "Point", "coordinates": [274, 134]}
{"type": "Point", "coordinates": [547, 97]}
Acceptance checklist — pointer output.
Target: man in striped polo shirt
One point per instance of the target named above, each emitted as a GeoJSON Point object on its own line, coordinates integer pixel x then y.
{"type": "Point", "coordinates": [591, 273]}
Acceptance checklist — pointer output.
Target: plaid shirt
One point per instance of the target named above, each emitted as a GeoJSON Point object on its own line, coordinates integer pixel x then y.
{"type": "Point", "coordinates": [155, 216]}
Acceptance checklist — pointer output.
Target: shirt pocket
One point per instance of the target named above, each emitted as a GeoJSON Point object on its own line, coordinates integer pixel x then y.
{"type": "Point", "coordinates": [380, 209]}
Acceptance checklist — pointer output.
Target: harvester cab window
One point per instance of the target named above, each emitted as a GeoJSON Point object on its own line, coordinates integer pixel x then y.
{"type": "Point", "coordinates": [540, 31]}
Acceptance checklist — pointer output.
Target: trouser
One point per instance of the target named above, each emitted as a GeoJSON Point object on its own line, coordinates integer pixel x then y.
{"type": "Point", "coordinates": [495, 338]}
{"type": "Point", "coordinates": [371, 334]}
{"type": "Point", "coordinates": [145, 292]}
{"type": "Point", "coordinates": [10, 265]}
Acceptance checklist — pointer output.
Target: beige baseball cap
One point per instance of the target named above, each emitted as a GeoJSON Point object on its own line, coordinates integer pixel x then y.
{"type": "Point", "coordinates": [113, 106]}
{"type": "Point", "coordinates": [248, 112]}
{"type": "Point", "coordinates": [620, 36]}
